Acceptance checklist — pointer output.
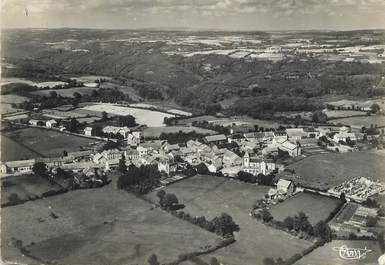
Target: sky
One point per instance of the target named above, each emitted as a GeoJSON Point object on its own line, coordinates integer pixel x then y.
{"type": "Point", "coordinates": [195, 14]}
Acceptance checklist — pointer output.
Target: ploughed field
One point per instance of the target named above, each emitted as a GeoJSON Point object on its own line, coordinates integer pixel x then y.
{"type": "Point", "coordinates": [35, 142]}
{"type": "Point", "coordinates": [210, 196]}
{"type": "Point", "coordinates": [316, 207]}
{"type": "Point", "coordinates": [96, 226]}
{"type": "Point", "coordinates": [324, 171]}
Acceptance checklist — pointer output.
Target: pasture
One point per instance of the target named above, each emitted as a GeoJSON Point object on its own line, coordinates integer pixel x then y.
{"type": "Point", "coordinates": [67, 92]}
{"type": "Point", "coordinates": [329, 253]}
{"type": "Point", "coordinates": [97, 226]}
{"type": "Point", "coordinates": [157, 131]}
{"type": "Point", "coordinates": [343, 113]}
{"type": "Point", "coordinates": [316, 207]}
{"type": "Point", "coordinates": [359, 122]}
{"type": "Point", "coordinates": [210, 196]}
{"type": "Point", "coordinates": [143, 116]}
{"type": "Point", "coordinates": [13, 150]}
{"type": "Point", "coordinates": [41, 142]}
{"type": "Point", "coordinates": [324, 171]}
{"type": "Point", "coordinates": [26, 187]}
{"type": "Point", "coordinates": [50, 84]}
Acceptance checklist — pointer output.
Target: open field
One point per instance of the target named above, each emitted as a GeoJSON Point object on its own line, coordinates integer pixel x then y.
{"type": "Point", "coordinates": [13, 150]}
{"type": "Point", "coordinates": [210, 196]}
{"type": "Point", "coordinates": [316, 207]}
{"type": "Point", "coordinates": [157, 131]}
{"type": "Point", "coordinates": [25, 187]}
{"type": "Point", "coordinates": [11, 98]}
{"type": "Point", "coordinates": [327, 170]}
{"type": "Point", "coordinates": [329, 254]}
{"type": "Point", "coordinates": [68, 92]}
{"type": "Point", "coordinates": [97, 226]}
{"type": "Point", "coordinates": [5, 81]}
{"type": "Point", "coordinates": [343, 113]}
{"type": "Point", "coordinates": [359, 122]}
{"type": "Point", "coordinates": [148, 117]}
{"type": "Point", "coordinates": [41, 142]}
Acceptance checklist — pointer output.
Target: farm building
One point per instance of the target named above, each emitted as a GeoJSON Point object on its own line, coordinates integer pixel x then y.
{"type": "Point", "coordinates": [20, 166]}
{"type": "Point", "coordinates": [50, 123]}
{"type": "Point", "coordinates": [216, 139]}
{"type": "Point", "coordinates": [285, 187]}
{"type": "Point", "coordinates": [88, 131]}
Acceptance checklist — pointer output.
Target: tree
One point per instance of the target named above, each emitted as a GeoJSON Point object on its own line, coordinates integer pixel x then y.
{"type": "Point", "coordinates": [39, 168]}
{"type": "Point", "coordinates": [73, 125]}
{"type": "Point", "coordinates": [268, 261]}
{"type": "Point", "coordinates": [371, 221]}
{"type": "Point", "coordinates": [53, 94]}
{"type": "Point", "coordinates": [266, 215]}
{"type": "Point", "coordinates": [65, 153]}
{"type": "Point", "coordinates": [161, 194]}
{"type": "Point", "coordinates": [127, 120]}
{"type": "Point", "coordinates": [301, 222]}
{"type": "Point", "coordinates": [214, 261]}
{"type": "Point", "coordinates": [375, 108]}
{"type": "Point", "coordinates": [289, 222]}
{"type": "Point", "coordinates": [153, 260]}
{"type": "Point", "coordinates": [224, 225]}
{"type": "Point", "coordinates": [170, 201]}
{"type": "Point", "coordinates": [319, 117]}
{"type": "Point", "coordinates": [323, 231]}
{"type": "Point", "coordinates": [122, 164]}
{"type": "Point", "coordinates": [104, 116]}
{"type": "Point", "coordinates": [343, 197]}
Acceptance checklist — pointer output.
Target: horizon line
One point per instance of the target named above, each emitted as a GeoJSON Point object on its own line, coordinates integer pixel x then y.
{"type": "Point", "coordinates": [186, 29]}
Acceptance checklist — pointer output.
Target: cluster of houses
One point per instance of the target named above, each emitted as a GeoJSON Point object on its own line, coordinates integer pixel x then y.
{"type": "Point", "coordinates": [47, 123]}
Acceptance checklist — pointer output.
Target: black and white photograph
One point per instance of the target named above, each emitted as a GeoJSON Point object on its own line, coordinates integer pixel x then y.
{"type": "Point", "coordinates": [192, 132]}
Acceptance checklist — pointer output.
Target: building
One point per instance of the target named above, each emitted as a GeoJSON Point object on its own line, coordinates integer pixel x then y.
{"type": "Point", "coordinates": [114, 130]}
{"type": "Point", "coordinates": [19, 166]}
{"type": "Point", "coordinates": [256, 165]}
{"type": "Point", "coordinates": [295, 134]}
{"type": "Point", "coordinates": [133, 139]}
{"type": "Point", "coordinates": [292, 149]}
{"type": "Point", "coordinates": [142, 151]}
{"type": "Point", "coordinates": [50, 123]}
{"type": "Point", "coordinates": [34, 122]}
{"type": "Point", "coordinates": [344, 134]}
{"type": "Point", "coordinates": [231, 159]}
{"type": "Point", "coordinates": [216, 139]}
{"type": "Point", "coordinates": [285, 187]}
{"type": "Point", "coordinates": [88, 131]}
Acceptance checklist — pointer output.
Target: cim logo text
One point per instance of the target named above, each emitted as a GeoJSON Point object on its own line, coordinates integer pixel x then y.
{"type": "Point", "coordinates": [351, 253]}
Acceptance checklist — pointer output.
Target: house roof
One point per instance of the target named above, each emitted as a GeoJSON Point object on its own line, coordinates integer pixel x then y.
{"type": "Point", "coordinates": [284, 183]}
{"type": "Point", "coordinates": [288, 145]}
{"type": "Point", "coordinates": [295, 132]}
{"type": "Point", "coordinates": [51, 121]}
{"type": "Point", "coordinates": [20, 163]}
{"type": "Point", "coordinates": [214, 138]}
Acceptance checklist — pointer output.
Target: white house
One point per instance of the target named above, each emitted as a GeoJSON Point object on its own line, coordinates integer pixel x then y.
{"type": "Point", "coordinates": [50, 123]}
{"type": "Point", "coordinates": [19, 166]}
{"type": "Point", "coordinates": [133, 139]}
{"type": "Point", "coordinates": [33, 122]}
{"type": "Point", "coordinates": [255, 165]}
{"type": "Point", "coordinates": [88, 131]}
